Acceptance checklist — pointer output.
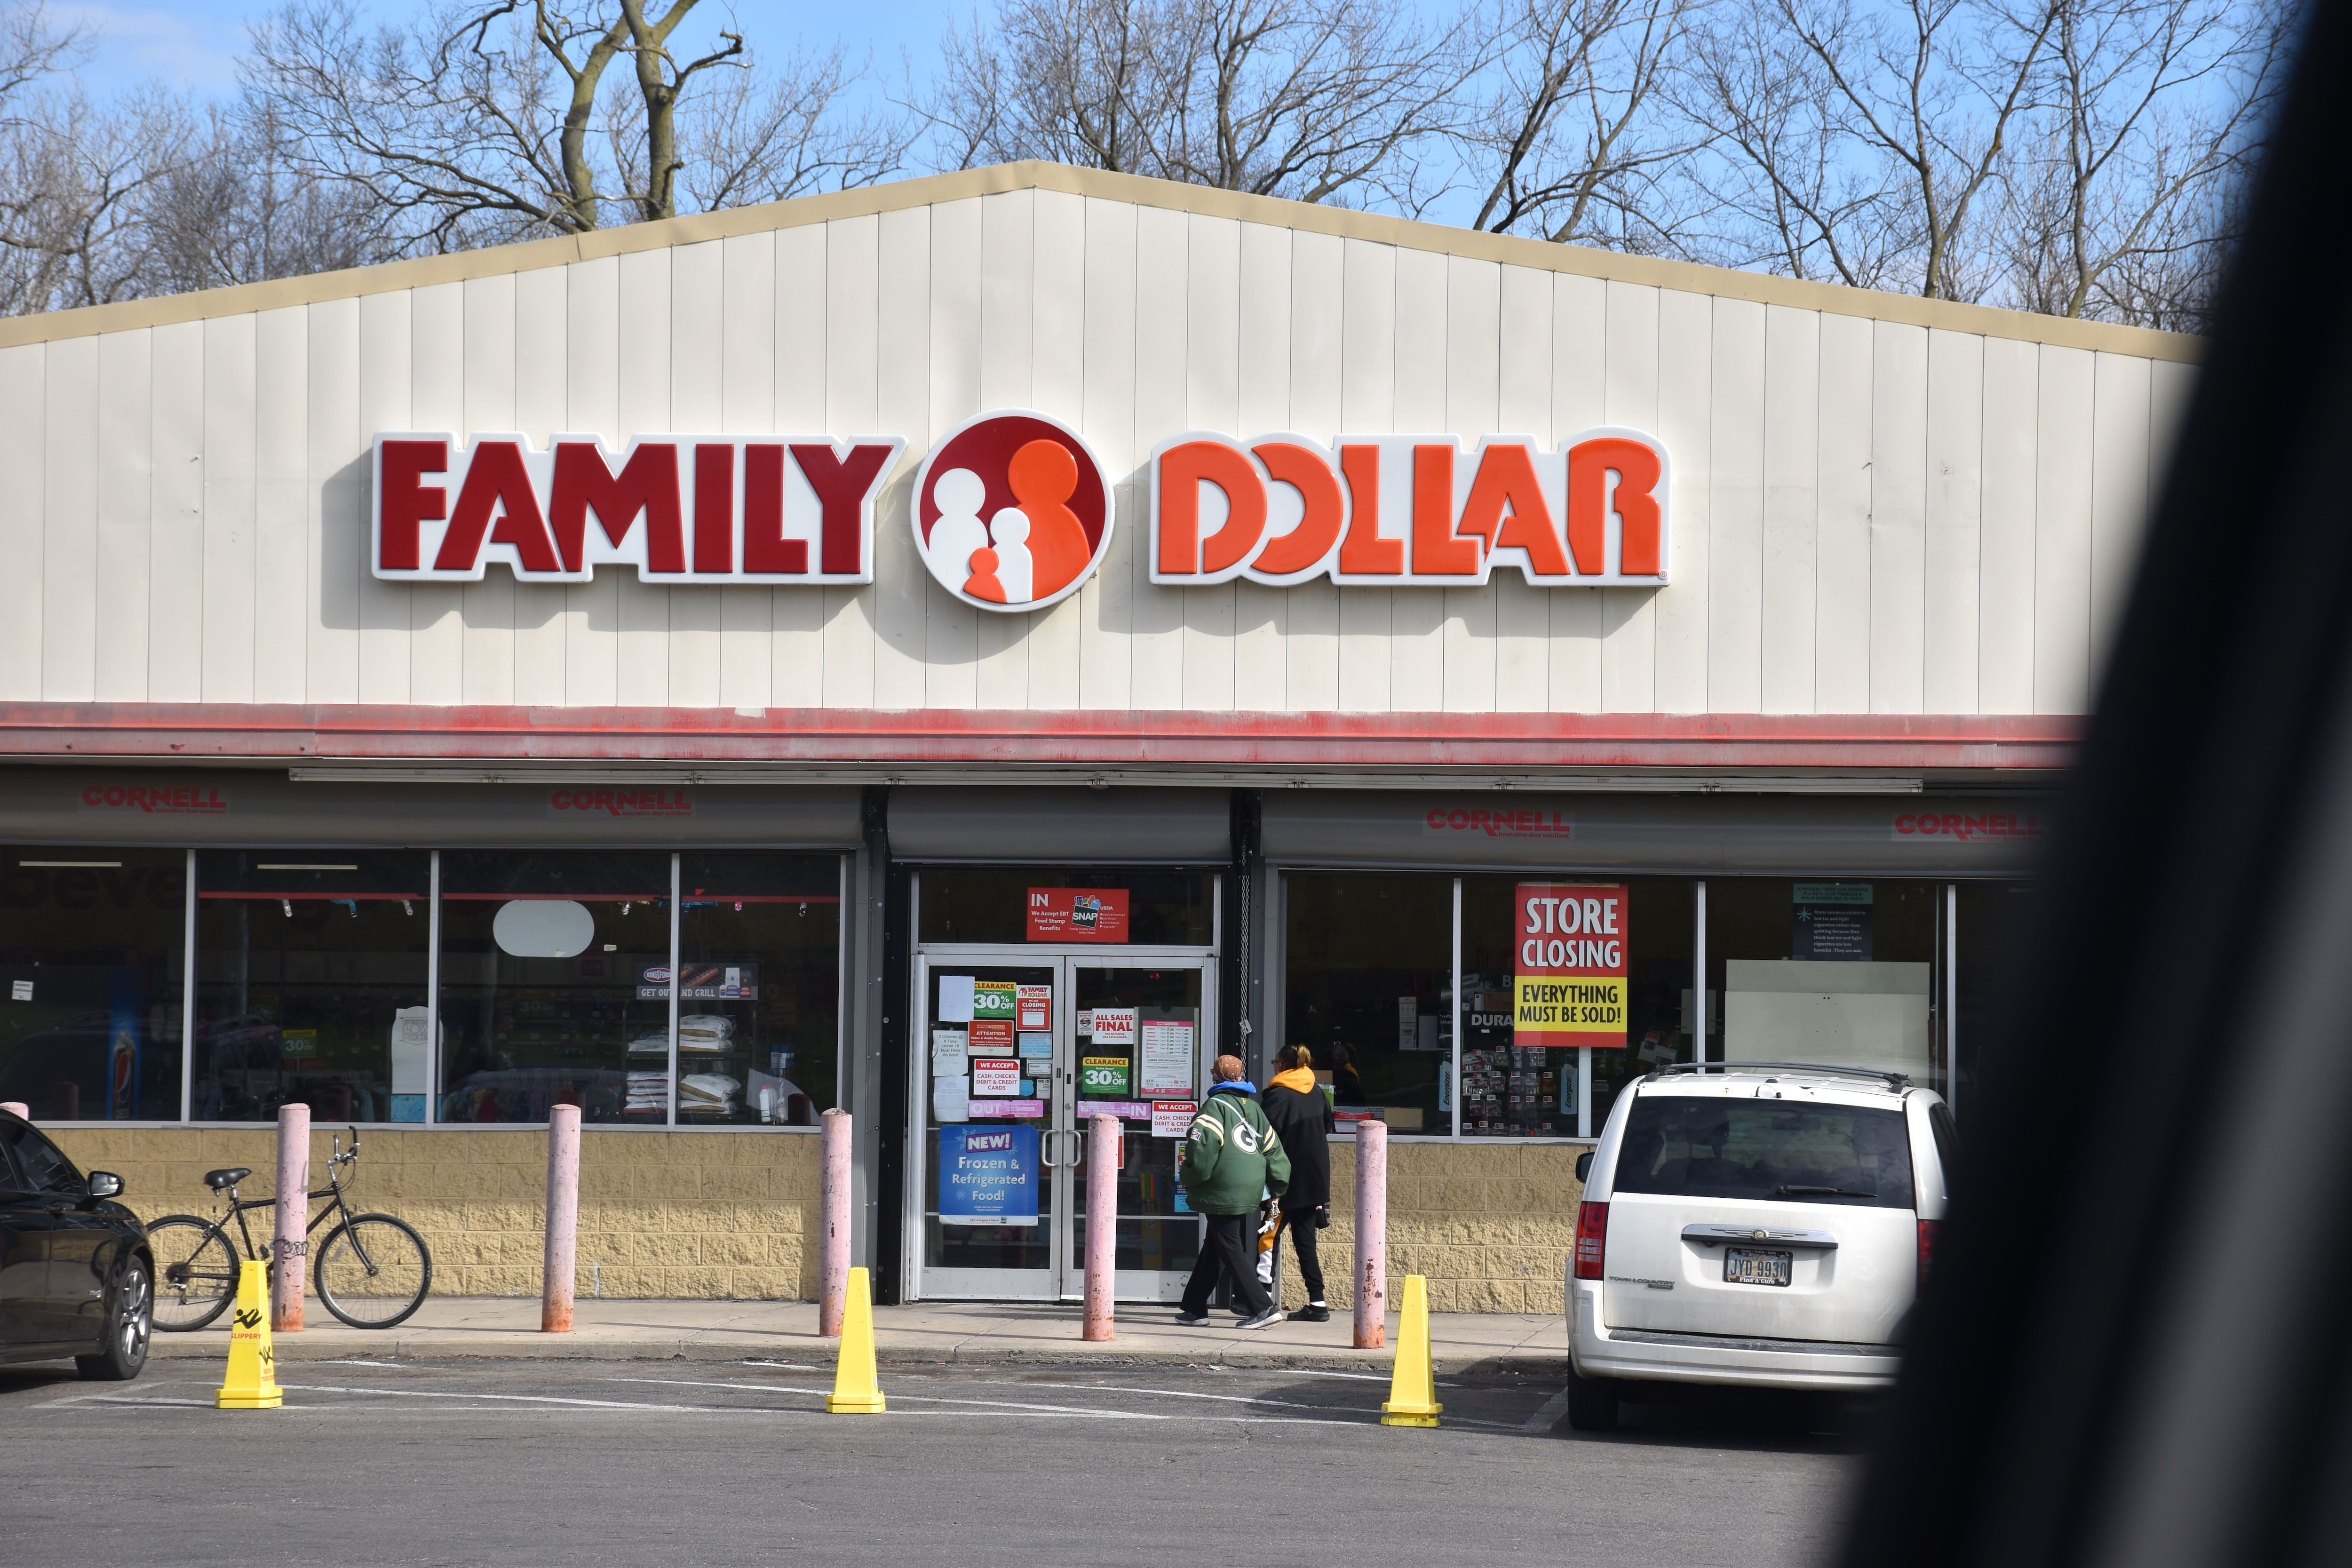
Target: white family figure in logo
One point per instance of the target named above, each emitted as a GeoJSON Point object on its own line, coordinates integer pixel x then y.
{"type": "Point", "coordinates": [991, 561]}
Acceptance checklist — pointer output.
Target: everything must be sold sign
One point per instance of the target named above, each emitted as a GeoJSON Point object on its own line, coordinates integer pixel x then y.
{"type": "Point", "coordinates": [1570, 965]}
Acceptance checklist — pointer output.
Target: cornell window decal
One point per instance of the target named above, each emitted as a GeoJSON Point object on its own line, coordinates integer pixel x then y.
{"type": "Point", "coordinates": [680, 509]}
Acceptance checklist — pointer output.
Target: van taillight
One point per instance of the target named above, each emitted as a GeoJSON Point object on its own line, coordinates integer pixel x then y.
{"type": "Point", "coordinates": [1592, 1239]}
{"type": "Point", "coordinates": [1927, 1247]}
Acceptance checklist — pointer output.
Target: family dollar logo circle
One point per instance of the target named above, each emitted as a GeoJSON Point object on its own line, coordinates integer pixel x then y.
{"type": "Point", "coordinates": [1012, 511]}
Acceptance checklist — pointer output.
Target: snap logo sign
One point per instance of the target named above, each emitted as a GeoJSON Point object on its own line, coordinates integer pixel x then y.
{"type": "Point", "coordinates": [1012, 511]}
{"type": "Point", "coordinates": [680, 509]}
{"type": "Point", "coordinates": [1409, 510]}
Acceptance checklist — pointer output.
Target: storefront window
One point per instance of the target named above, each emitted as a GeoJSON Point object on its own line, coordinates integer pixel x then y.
{"type": "Point", "coordinates": [92, 945]}
{"type": "Point", "coordinates": [1150, 908]}
{"type": "Point", "coordinates": [311, 975]}
{"type": "Point", "coordinates": [1368, 968]}
{"type": "Point", "coordinates": [555, 987]}
{"type": "Point", "coordinates": [1841, 974]}
{"type": "Point", "coordinates": [1510, 1089]}
{"type": "Point", "coordinates": [759, 948]}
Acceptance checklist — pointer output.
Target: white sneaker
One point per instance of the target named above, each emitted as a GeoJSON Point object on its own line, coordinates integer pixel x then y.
{"type": "Point", "coordinates": [1265, 1320]}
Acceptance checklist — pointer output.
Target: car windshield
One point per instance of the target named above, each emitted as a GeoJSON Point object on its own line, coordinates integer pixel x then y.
{"type": "Point", "coordinates": [1710, 1148]}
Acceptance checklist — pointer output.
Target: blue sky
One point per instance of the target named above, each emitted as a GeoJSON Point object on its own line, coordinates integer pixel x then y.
{"type": "Point", "coordinates": [193, 45]}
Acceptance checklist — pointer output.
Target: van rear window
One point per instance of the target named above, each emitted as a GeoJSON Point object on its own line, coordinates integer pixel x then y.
{"type": "Point", "coordinates": [1768, 1149]}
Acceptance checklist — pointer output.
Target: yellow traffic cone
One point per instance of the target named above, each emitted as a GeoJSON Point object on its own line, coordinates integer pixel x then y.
{"type": "Point", "coordinates": [1412, 1392]}
{"type": "Point", "coordinates": [856, 1391]}
{"type": "Point", "coordinates": [252, 1362]}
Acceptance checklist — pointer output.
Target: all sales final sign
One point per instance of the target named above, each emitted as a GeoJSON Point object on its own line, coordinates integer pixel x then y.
{"type": "Point", "coordinates": [1014, 510]}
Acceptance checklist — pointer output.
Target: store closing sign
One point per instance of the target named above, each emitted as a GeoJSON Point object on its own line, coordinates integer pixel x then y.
{"type": "Point", "coordinates": [1570, 965]}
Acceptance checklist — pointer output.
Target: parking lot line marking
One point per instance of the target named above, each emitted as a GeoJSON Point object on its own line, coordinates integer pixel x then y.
{"type": "Point", "coordinates": [1357, 1377]}
{"type": "Point", "coordinates": [1545, 1419]}
{"type": "Point", "coordinates": [515, 1398]}
{"type": "Point", "coordinates": [1020, 1405]}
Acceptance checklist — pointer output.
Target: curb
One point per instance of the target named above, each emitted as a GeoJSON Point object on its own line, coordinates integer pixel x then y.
{"type": "Point", "coordinates": [446, 1346]}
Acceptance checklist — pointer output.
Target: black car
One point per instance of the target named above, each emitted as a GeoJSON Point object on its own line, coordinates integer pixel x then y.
{"type": "Point", "coordinates": [77, 1276]}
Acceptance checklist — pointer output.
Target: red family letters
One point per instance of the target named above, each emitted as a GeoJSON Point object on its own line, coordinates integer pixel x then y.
{"type": "Point", "coordinates": [680, 509]}
{"type": "Point", "coordinates": [1399, 511]}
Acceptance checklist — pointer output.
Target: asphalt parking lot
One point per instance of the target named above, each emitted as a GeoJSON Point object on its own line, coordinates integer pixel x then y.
{"type": "Point", "coordinates": [636, 1462]}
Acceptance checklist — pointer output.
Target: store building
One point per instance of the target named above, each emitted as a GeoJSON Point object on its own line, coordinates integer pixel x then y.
{"type": "Point", "coordinates": [1037, 628]}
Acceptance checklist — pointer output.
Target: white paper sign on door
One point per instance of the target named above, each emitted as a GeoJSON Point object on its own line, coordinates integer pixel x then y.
{"type": "Point", "coordinates": [994, 1079]}
{"type": "Point", "coordinates": [1166, 1058]}
{"type": "Point", "coordinates": [1170, 1118]}
{"type": "Point", "coordinates": [955, 999]}
{"type": "Point", "coordinates": [951, 1099]}
{"type": "Point", "coordinates": [947, 1053]}
{"type": "Point", "coordinates": [1114, 1025]}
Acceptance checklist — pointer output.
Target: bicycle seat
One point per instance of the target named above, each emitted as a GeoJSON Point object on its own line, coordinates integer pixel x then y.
{"type": "Point", "coordinates": [217, 1180]}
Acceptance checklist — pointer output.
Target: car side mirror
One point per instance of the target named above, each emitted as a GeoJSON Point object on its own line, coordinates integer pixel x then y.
{"type": "Point", "coordinates": [1584, 1166]}
{"type": "Point", "coordinates": [105, 1185]}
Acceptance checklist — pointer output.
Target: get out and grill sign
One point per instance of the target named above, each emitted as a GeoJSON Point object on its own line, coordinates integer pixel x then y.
{"type": "Point", "coordinates": [1571, 966]}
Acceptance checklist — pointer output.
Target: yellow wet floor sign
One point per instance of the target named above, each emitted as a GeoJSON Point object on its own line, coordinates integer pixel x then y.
{"type": "Point", "coordinates": [856, 1390]}
{"type": "Point", "coordinates": [1412, 1392]}
{"type": "Point", "coordinates": [252, 1364]}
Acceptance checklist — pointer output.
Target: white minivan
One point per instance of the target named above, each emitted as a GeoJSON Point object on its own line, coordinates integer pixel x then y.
{"type": "Point", "coordinates": [1753, 1223]}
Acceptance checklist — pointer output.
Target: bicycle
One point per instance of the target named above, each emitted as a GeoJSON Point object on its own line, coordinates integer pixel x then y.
{"type": "Point", "coordinates": [373, 1269]}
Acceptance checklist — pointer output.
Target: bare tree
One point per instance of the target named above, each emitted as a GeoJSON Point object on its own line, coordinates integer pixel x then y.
{"type": "Point", "coordinates": [1307, 98]}
{"type": "Point", "coordinates": [1568, 137]}
{"type": "Point", "coordinates": [481, 124]}
{"type": "Point", "coordinates": [1865, 140]}
{"type": "Point", "coordinates": [2123, 204]}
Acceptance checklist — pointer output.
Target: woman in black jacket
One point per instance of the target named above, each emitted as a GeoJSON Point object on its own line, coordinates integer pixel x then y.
{"type": "Point", "coordinates": [1293, 1102]}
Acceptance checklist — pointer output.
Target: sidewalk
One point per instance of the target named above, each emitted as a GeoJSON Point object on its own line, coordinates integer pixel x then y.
{"type": "Point", "coordinates": [971, 1333]}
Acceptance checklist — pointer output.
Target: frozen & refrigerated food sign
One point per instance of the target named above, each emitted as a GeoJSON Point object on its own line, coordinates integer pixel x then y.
{"type": "Point", "coordinates": [1012, 511]}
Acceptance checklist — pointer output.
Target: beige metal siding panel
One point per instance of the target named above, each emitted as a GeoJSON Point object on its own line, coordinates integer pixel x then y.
{"type": "Point", "coordinates": [1841, 536]}
{"type": "Point", "coordinates": [952, 637]}
{"type": "Point", "coordinates": [281, 503]}
{"type": "Point", "coordinates": [22, 438]}
{"type": "Point", "coordinates": [437, 627]}
{"type": "Point", "coordinates": [1578, 401]}
{"type": "Point", "coordinates": [1417, 616]}
{"type": "Point", "coordinates": [1106, 603]}
{"type": "Point", "coordinates": [1162, 249]}
{"type": "Point", "coordinates": [1735, 512]}
{"type": "Point", "coordinates": [591, 610]}
{"type": "Point", "coordinates": [853, 405]}
{"type": "Point", "coordinates": [698, 358]}
{"type": "Point", "coordinates": [1318, 377]}
{"type": "Point", "coordinates": [1212, 282]}
{"type": "Point", "coordinates": [796, 619]}
{"type": "Point", "coordinates": [1955, 544]}
{"type": "Point", "coordinates": [1685, 355]}
{"type": "Point", "coordinates": [543, 371]}
{"type": "Point", "coordinates": [902, 586]}
{"type": "Point", "coordinates": [1523, 405]}
{"type": "Point", "coordinates": [126, 470]}
{"type": "Point", "coordinates": [1786, 580]}
{"type": "Point", "coordinates": [1898, 518]}
{"type": "Point", "coordinates": [489, 375]}
{"type": "Point", "coordinates": [338, 501]}
{"type": "Point", "coordinates": [1474, 384]}
{"type": "Point", "coordinates": [645, 404]}
{"type": "Point", "coordinates": [1368, 407]}
{"type": "Point", "coordinates": [1629, 617]}
{"type": "Point", "coordinates": [229, 609]}
{"type": "Point", "coordinates": [68, 573]}
{"type": "Point", "coordinates": [1057, 328]}
{"type": "Point", "coordinates": [2007, 565]}
{"type": "Point", "coordinates": [2062, 507]}
{"type": "Point", "coordinates": [2121, 413]}
{"type": "Point", "coordinates": [1008, 350]}
{"type": "Point", "coordinates": [1261, 615]}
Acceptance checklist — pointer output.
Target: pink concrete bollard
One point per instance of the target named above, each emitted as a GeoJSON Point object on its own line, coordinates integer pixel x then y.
{"type": "Point", "coordinates": [1102, 1224]}
{"type": "Point", "coordinates": [291, 1247]}
{"type": "Point", "coordinates": [562, 1219]}
{"type": "Point", "coordinates": [832, 1241]}
{"type": "Point", "coordinates": [23, 1111]}
{"type": "Point", "coordinates": [1371, 1233]}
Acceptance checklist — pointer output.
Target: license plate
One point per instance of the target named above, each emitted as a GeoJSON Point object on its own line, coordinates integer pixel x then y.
{"type": "Point", "coordinates": [1744, 1266]}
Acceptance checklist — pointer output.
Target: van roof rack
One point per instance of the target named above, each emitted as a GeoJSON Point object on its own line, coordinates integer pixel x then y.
{"type": "Point", "coordinates": [1895, 1080]}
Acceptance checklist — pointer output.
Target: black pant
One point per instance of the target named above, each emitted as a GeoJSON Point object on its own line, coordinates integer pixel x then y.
{"type": "Point", "coordinates": [1230, 1248]}
{"type": "Point", "coordinates": [1298, 1225]}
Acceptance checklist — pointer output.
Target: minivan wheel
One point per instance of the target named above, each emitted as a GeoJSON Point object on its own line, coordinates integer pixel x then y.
{"type": "Point", "coordinates": [1592, 1402]}
{"type": "Point", "coordinates": [129, 1321]}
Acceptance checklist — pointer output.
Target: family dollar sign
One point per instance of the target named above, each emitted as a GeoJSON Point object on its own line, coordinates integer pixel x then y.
{"type": "Point", "coordinates": [1571, 966]}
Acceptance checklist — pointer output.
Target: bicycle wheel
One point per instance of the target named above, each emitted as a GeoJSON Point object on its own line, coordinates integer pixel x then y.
{"type": "Point", "coordinates": [195, 1272]}
{"type": "Point", "coordinates": [373, 1272]}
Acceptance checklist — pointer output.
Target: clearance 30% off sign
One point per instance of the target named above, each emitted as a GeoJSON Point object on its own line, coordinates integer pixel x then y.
{"type": "Point", "coordinates": [1571, 966]}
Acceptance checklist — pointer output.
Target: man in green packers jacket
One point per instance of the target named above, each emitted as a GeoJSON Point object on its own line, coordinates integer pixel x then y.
{"type": "Point", "coordinates": [1231, 1161]}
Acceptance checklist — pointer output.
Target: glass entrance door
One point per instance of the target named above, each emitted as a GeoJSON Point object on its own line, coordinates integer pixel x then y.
{"type": "Point", "coordinates": [1014, 1053]}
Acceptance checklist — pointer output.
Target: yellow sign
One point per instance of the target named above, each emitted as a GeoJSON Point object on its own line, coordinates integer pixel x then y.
{"type": "Point", "coordinates": [1571, 1007]}
{"type": "Point", "coordinates": [252, 1383]}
